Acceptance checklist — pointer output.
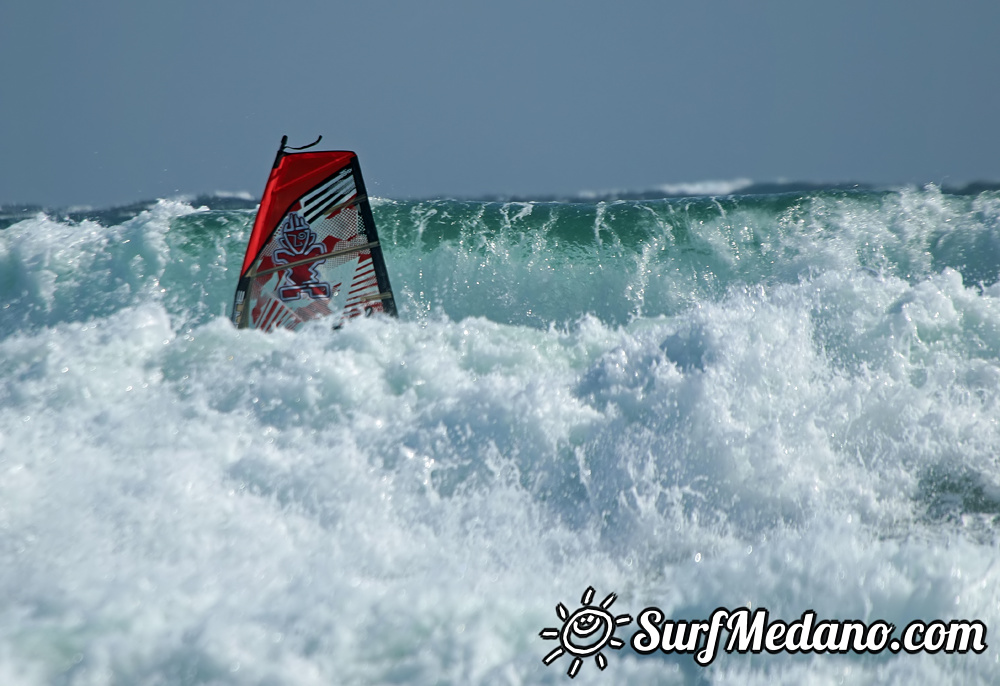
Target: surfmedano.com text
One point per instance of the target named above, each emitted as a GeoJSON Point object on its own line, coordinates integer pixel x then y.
{"type": "Point", "coordinates": [748, 632]}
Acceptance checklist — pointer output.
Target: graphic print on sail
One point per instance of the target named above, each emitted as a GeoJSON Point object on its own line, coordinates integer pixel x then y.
{"type": "Point", "coordinates": [313, 251]}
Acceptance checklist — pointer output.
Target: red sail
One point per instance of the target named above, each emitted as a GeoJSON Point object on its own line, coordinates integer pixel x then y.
{"type": "Point", "coordinates": [314, 251]}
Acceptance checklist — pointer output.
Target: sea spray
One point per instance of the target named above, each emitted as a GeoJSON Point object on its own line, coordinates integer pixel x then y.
{"type": "Point", "coordinates": [787, 401]}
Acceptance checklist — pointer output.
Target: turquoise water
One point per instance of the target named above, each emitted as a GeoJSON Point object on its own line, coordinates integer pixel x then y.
{"type": "Point", "coordinates": [784, 401]}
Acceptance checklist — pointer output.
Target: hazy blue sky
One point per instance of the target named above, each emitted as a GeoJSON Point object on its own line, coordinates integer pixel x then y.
{"type": "Point", "coordinates": [108, 101]}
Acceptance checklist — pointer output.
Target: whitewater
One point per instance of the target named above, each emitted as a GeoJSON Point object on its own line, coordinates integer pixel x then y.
{"type": "Point", "coordinates": [786, 401]}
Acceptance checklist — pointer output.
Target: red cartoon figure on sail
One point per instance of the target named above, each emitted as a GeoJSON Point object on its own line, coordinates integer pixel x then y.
{"type": "Point", "coordinates": [299, 244]}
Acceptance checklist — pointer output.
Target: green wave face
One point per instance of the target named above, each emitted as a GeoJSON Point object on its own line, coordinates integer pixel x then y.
{"type": "Point", "coordinates": [519, 263]}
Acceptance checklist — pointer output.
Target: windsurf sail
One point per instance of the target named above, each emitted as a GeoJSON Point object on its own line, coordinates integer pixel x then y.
{"type": "Point", "coordinates": [313, 251]}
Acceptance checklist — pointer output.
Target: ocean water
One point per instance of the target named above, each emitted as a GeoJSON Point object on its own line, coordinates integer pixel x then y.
{"type": "Point", "coordinates": [787, 401]}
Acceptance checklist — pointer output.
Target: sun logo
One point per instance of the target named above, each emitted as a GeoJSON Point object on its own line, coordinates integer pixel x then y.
{"type": "Point", "coordinates": [585, 632]}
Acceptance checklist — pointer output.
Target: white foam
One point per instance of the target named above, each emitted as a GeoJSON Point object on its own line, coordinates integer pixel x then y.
{"type": "Point", "coordinates": [706, 187]}
{"type": "Point", "coordinates": [407, 501]}
{"type": "Point", "coordinates": [689, 188]}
